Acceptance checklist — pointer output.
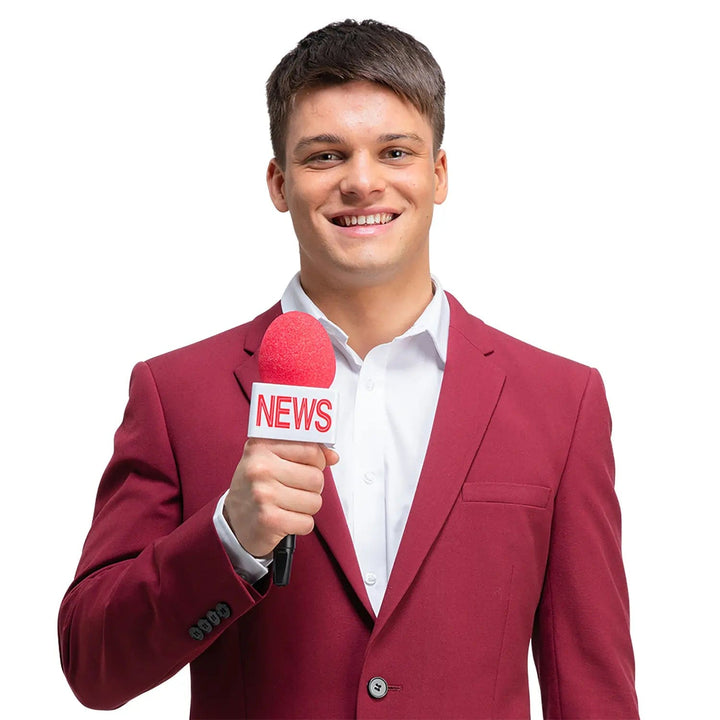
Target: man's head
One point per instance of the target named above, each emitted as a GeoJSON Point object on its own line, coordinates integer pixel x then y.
{"type": "Point", "coordinates": [357, 119]}
{"type": "Point", "coordinates": [349, 51]}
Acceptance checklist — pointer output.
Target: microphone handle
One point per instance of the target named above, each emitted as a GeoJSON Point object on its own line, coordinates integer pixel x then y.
{"type": "Point", "coordinates": [282, 560]}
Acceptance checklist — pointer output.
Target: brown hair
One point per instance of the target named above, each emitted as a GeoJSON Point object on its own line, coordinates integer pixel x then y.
{"type": "Point", "coordinates": [345, 51]}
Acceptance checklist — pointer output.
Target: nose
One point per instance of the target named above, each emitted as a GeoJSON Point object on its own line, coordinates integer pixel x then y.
{"type": "Point", "coordinates": [363, 176]}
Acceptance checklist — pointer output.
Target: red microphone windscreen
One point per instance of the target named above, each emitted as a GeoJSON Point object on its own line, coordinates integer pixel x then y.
{"type": "Point", "coordinates": [296, 350]}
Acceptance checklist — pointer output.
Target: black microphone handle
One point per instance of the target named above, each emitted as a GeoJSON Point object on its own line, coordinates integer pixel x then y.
{"type": "Point", "coordinates": [282, 560]}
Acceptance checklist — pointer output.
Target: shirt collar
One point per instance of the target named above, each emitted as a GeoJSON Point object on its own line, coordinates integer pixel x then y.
{"type": "Point", "coordinates": [435, 319]}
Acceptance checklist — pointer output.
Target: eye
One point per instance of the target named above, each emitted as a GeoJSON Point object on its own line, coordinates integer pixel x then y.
{"type": "Point", "coordinates": [324, 158]}
{"type": "Point", "coordinates": [396, 154]}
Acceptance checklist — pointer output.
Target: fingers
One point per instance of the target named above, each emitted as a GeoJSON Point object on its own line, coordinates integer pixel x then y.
{"type": "Point", "coordinates": [279, 523]}
{"type": "Point", "coordinates": [293, 465]}
{"type": "Point", "coordinates": [275, 491]}
{"type": "Point", "coordinates": [313, 457]}
{"type": "Point", "coordinates": [304, 453]}
{"type": "Point", "coordinates": [302, 497]}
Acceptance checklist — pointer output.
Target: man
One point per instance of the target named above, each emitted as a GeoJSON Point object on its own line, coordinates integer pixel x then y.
{"type": "Point", "coordinates": [470, 505]}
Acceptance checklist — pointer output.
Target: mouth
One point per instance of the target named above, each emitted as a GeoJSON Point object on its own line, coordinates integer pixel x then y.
{"type": "Point", "coordinates": [381, 218]}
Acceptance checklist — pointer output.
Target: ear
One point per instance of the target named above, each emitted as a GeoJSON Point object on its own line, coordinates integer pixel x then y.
{"type": "Point", "coordinates": [275, 179]}
{"type": "Point", "coordinates": [441, 177]}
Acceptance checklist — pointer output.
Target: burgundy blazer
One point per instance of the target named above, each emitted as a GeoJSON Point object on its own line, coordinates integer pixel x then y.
{"type": "Point", "coordinates": [513, 537]}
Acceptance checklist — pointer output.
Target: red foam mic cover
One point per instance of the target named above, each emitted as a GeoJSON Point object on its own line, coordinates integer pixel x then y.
{"type": "Point", "coordinates": [296, 350]}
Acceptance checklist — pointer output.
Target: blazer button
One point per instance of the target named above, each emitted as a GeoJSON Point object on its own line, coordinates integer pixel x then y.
{"type": "Point", "coordinates": [213, 617]}
{"type": "Point", "coordinates": [205, 625]}
{"type": "Point", "coordinates": [196, 633]}
{"type": "Point", "coordinates": [223, 610]}
{"type": "Point", "coordinates": [377, 688]}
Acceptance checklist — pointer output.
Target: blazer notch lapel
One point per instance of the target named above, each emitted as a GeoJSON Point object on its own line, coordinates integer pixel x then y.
{"type": "Point", "coordinates": [469, 394]}
{"type": "Point", "coordinates": [246, 374]}
{"type": "Point", "coordinates": [247, 371]}
{"type": "Point", "coordinates": [331, 526]}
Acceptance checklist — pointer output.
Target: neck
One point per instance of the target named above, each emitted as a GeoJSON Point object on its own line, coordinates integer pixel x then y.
{"type": "Point", "coordinates": [372, 316]}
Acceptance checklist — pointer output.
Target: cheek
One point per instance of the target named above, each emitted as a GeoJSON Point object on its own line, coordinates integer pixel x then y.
{"type": "Point", "coordinates": [307, 201]}
{"type": "Point", "coordinates": [300, 211]}
{"type": "Point", "coordinates": [418, 188]}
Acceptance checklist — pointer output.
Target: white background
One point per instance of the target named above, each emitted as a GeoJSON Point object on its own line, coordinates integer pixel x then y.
{"type": "Point", "coordinates": [584, 155]}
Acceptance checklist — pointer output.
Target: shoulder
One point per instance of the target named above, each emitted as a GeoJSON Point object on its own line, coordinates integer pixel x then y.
{"type": "Point", "coordinates": [504, 347]}
{"type": "Point", "coordinates": [529, 370]}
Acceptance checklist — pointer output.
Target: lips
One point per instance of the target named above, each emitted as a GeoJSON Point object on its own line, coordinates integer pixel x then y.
{"type": "Point", "coordinates": [379, 218]}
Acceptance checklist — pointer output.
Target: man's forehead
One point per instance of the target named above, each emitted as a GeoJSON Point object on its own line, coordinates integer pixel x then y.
{"type": "Point", "coordinates": [352, 107]}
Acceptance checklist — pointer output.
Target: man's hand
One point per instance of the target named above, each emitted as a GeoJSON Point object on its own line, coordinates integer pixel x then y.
{"type": "Point", "coordinates": [275, 491]}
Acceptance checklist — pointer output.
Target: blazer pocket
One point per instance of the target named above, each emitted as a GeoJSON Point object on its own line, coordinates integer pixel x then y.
{"type": "Point", "coordinates": [510, 493]}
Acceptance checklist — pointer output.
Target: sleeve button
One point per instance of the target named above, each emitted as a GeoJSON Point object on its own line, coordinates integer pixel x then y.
{"type": "Point", "coordinates": [223, 610]}
{"type": "Point", "coordinates": [196, 633]}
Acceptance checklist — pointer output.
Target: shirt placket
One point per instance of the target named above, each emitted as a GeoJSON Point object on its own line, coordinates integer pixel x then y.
{"type": "Point", "coordinates": [369, 482]}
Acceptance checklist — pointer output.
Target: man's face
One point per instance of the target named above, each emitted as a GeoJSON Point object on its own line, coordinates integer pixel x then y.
{"type": "Point", "coordinates": [360, 181]}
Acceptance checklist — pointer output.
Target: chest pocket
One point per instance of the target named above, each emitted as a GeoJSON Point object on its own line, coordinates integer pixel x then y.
{"type": "Point", "coordinates": [508, 493]}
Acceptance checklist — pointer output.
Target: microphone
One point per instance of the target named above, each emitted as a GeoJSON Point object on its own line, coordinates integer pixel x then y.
{"type": "Point", "coordinates": [293, 401]}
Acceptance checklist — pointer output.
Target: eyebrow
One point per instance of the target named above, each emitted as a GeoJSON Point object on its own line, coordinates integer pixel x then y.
{"type": "Point", "coordinates": [330, 139]}
{"type": "Point", "coordinates": [391, 137]}
{"type": "Point", "coordinates": [324, 139]}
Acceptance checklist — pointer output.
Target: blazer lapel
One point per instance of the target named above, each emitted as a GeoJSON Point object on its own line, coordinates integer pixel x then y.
{"type": "Point", "coordinates": [330, 521]}
{"type": "Point", "coordinates": [331, 525]}
{"type": "Point", "coordinates": [470, 391]}
{"type": "Point", "coordinates": [247, 371]}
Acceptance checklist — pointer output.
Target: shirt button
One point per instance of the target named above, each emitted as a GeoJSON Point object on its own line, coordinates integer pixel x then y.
{"type": "Point", "coordinates": [369, 478]}
{"type": "Point", "coordinates": [377, 688]}
{"type": "Point", "coordinates": [369, 384]}
{"type": "Point", "coordinates": [370, 578]}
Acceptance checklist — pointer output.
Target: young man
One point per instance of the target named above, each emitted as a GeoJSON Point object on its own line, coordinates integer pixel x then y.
{"type": "Point", "coordinates": [470, 505]}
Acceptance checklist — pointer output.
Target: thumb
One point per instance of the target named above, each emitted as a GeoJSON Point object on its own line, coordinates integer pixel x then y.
{"type": "Point", "coordinates": [331, 457]}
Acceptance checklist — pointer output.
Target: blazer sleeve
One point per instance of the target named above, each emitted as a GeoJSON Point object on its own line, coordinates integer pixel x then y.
{"type": "Point", "coordinates": [148, 578]}
{"type": "Point", "coordinates": [581, 638]}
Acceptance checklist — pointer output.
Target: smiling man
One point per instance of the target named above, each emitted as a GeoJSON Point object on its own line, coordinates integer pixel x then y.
{"type": "Point", "coordinates": [469, 509]}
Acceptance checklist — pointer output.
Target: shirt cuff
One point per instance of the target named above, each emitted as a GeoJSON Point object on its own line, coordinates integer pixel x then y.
{"type": "Point", "coordinates": [248, 567]}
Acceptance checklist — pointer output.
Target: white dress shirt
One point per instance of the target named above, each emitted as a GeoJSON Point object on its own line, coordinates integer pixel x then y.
{"type": "Point", "coordinates": [386, 409]}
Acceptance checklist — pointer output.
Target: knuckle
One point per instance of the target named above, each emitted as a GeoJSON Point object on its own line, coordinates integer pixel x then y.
{"type": "Point", "coordinates": [252, 449]}
{"type": "Point", "coordinates": [257, 469]}
{"type": "Point", "coordinates": [261, 495]}
{"type": "Point", "coordinates": [306, 525]}
{"type": "Point", "coordinates": [317, 504]}
{"type": "Point", "coordinates": [317, 481]}
{"type": "Point", "coordinates": [318, 457]}
{"type": "Point", "coordinates": [268, 518]}
{"type": "Point", "coordinates": [311, 454]}
{"type": "Point", "coordinates": [311, 480]}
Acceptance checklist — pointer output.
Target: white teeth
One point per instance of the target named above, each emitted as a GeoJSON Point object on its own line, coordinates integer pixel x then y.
{"type": "Point", "coordinates": [376, 219]}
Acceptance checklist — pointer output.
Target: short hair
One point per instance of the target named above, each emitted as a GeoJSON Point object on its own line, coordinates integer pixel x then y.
{"type": "Point", "coordinates": [345, 51]}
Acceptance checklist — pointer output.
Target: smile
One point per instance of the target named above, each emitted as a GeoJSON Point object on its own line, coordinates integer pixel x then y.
{"type": "Point", "coordinates": [376, 219]}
